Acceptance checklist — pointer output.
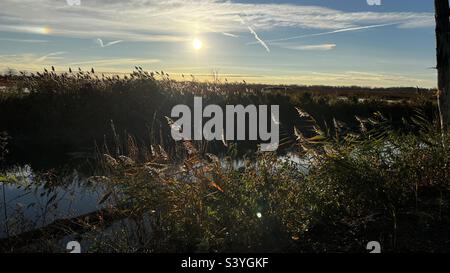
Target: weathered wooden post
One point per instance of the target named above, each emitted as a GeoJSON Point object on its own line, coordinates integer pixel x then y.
{"type": "Point", "coordinates": [443, 58]}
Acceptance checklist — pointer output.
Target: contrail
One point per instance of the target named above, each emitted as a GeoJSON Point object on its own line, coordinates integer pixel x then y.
{"type": "Point", "coordinates": [260, 41]}
{"type": "Point", "coordinates": [328, 32]}
{"type": "Point", "coordinates": [100, 42]}
{"type": "Point", "coordinates": [230, 34]}
{"type": "Point", "coordinates": [43, 58]}
{"type": "Point", "coordinates": [23, 40]}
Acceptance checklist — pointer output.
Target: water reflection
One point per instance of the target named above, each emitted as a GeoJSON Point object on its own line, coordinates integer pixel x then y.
{"type": "Point", "coordinates": [28, 201]}
{"type": "Point", "coordinates": [291, 157]}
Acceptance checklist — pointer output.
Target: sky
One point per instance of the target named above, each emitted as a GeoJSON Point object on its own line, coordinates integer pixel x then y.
{"type": "Point", "coordinates": [308, 42]}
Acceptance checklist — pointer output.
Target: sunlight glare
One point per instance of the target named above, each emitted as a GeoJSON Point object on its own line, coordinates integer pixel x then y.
{"type": "Point", "coordinates": [197, 44]}
{"type": "Point", "coordinates": [44, 30]}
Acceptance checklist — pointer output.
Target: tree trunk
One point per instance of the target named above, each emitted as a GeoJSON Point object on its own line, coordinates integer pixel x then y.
{"type": "Point", "coordinates": [443, 58]}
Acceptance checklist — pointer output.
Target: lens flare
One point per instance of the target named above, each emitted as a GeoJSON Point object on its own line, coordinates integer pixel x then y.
{"type": "Point", "coordinates": [44, 30]}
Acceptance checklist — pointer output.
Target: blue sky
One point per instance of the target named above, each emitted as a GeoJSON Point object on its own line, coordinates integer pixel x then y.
{"type": "Point", "coordinates": [329, 42]}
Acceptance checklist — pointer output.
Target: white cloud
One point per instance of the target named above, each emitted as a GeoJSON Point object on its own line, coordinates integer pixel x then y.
{"type": "Point", "coordinates": [321, 47]}
{"type": "Point", "coordinates": [116, 62]}
{"type": "Point", "coordinates": [230, 35]}
{"type": "Point", "coordinates": [177, 20]}
{"type": "Point", "coordinates": [33, 62]}
{"type": "Point", "coordinates": [49, 56]}
{"type": "Point", "coordinates": [37, 41]}
{"type": "Point", "coordinates": [348, 78]}
{"type": "Point", "coordinates": [329, 32]}
{"type": "Point", "coordinates": [101, 44]}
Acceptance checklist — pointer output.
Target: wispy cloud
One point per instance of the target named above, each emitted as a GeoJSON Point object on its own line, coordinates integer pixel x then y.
{"type": "Point", "coordinates": [49, 56]}
{"type": "Point", "coordinates": [230, 35]}
{"type": "Point", "coordinates": [39, 29]}
{"type": "Point", "coordinates": [33, 62]}
{"type": "Point", "coordinates": [101, 44]}
{"type": "Point", "coordinates": [328, 32]}
{"type": "Point", "coordinates": [23, 40]}
{"type": "Point", "coordinates": [321, 47]}
{"type": "Point", "coordinates": [142, 20]}
{"type": "Point", "coordinates": [115, 62]}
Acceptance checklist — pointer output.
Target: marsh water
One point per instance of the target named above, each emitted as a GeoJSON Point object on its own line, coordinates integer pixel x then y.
{"type": "Point", "coordinates": [31, 200]}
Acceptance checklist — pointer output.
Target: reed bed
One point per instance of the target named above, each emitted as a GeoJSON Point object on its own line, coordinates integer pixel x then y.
{"type": "Point", "coordinates": [371, 169]}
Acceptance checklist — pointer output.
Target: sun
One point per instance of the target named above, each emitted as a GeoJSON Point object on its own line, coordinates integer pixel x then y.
{"type": "Point", "coordinates": [197, 44]}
